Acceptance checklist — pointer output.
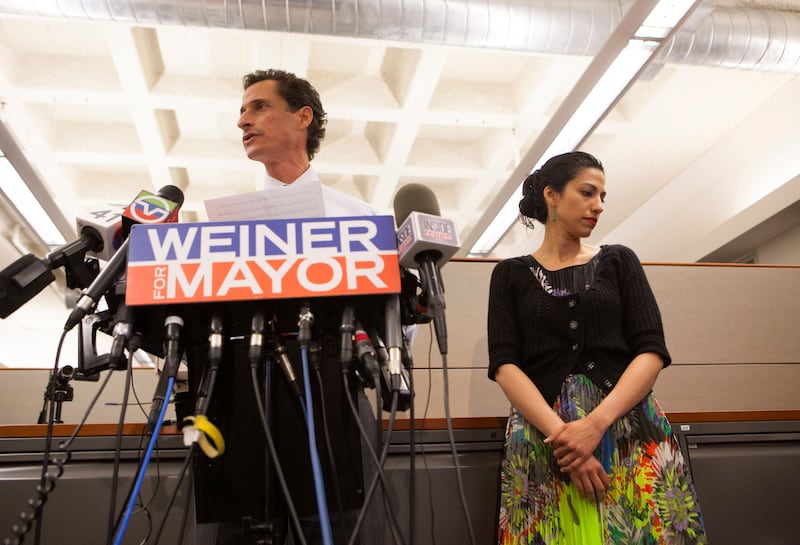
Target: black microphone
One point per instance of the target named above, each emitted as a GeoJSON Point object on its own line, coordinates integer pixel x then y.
{"type": "Point", "coordinates": [102, 227]}
{"type": "Point", "coordinates": [288, 370]}
{"type": "Point", "coordinates": [394, 340]}
{"type": "Point", "coordinates": [116, 265]}
{"type": "Point", "coordinates": [347, 329]}
{"type": "Point", "coordinates": [100, 234]}
{"type": "Point", "coordinates": [215, 341]}
{"type": "Point", "coordinates": [255, 350]}
{"type": "Point", "coordinates": [304, 322]}
{"type": "Point", "coordinates": [412, 301]}
{"type": "Point", "coordinates": [426, 242]}
{"type": "Point", "coordinates": [367, 357]}
{"type": "Point", "coordinates": [173, 351]}
{"type": "Point", "coordinates": [122, 333]}
{"type": "Point", "coordinates": [405, 395]}
{"type": "Point", "coordinates": [22, 281]}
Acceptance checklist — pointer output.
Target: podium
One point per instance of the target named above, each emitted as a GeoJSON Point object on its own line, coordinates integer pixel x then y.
{"type": "Point", "coordinates": [217, 271]}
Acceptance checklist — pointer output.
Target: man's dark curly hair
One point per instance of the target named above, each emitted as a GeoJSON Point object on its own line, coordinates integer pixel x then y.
{"type": "Point", "coordinates": [298, 93]}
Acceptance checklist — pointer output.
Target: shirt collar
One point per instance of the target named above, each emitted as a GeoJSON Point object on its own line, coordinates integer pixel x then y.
{"type": "Point", "coordinates": [309, 175]}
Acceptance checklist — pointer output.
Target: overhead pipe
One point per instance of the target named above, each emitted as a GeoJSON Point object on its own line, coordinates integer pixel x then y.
{"type": "Point", "coordinates": [728, 37]}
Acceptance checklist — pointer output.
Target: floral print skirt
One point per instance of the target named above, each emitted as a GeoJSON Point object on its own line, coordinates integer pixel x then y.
{"type": "Point", "coordinates": [650, 501]}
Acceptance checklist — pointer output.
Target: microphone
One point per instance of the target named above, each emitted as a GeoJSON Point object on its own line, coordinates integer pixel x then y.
{"type": "Point", "coordinates": [102, 228]}
{"type": "Point", "coordinates": [22, 281]}
{"type": "Point", "coordinates": [405, 395]}
{"type": "Point", "coordinates": [285, 363]}
{"type": "Point", "coordinates": [426, 242]}
{"type": "Point", "coordinates": [255, 350]}
{"type": "Point", "coordinates": [347, 329]}
{"type": "Point", "coordinates": [172, 198]}
{"type": "Point", "coordinates": [173, 350]}
{"type": "Point", "coordinates": [304, 322]}
{"type": "Point", "coordinates": [394, 340]}
{"type": "Point", "coordinates": [100, 234]}
{"type": "Point", "coordinates": [122, 333]}
{"type": "Point", "coordinates": [215, 341]}
{"type": "Point", "coordinates": [366, 356]}
{"type": "Point", "coordinates": [288, 370]}
{"type": "Point", "coordinates": [412, 303]}
{"type": "Point", "coordinates": [148, 208]}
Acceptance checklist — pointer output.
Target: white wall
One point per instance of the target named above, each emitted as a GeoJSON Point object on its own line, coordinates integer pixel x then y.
{"type": "Point", "coordinates": [732, 331]}
{"type": "Point", "coordinates": [783, 249]}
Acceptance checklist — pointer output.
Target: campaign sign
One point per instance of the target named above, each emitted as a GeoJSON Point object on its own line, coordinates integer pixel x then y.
{"type": "Point", "coordinates": [265, 259]}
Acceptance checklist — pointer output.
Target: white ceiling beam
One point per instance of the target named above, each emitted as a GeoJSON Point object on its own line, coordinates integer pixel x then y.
{"type": "Point", "coordinates": [136, 56]}
{"type": "Point", "coordinates": [414, 112]}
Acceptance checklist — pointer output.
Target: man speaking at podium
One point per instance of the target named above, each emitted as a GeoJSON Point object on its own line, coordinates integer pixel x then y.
{"type": "Point", "coordinates": [282, 124]}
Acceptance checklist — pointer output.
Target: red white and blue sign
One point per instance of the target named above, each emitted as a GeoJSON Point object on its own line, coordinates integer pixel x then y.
{"type": "Point", "coordinates": [265, 259]}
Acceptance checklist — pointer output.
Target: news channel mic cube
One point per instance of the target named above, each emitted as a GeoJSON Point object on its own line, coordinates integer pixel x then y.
{"type": "Point", "coordinates": [422, 232]}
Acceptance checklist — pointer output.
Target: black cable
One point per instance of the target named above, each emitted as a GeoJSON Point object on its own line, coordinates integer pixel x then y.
{"type": "Point", "coordinates": [43, 490]}
{"type": "Point", "coordinates": [173, 353]}
{"type": "Point", "coordinates": [274, 453]}
{"type": "Point", "coordinates": [204, 394]}
{"type": "Point", "coordinates": [337, 494]}
{"type": "Point", "coordinates": [186, 508]}
{"type": "Point", "coordinates": [422, 443]}
{"type": "Point", "coordinates": [118, 447]}
{"type": "Point", "coordinates": [378, 466]}
{"type": "Point", "coordinates": [138, 401]}
{"type": "Point", "coordinates": [186, 462]}
{"type": "Point", "coordinates": [149, 526]}
{"type": "Point", "coordinates": [449, 422]}
{"type": "Point", "coordinates": [378, 411]}
{"type": "Point", "coordinates": [412, 465]}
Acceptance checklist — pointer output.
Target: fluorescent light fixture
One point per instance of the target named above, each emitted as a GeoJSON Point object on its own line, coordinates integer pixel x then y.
{"type": "Point", "coordinates": [663, 18]}
{"type": "Point", "coordinates": [498, 227]}
{"type": "Point", "coordinates": [615, 80]}
{"type": "Point", "coordinates": [16, 190]}
{"type": "Point", "coordinates": [603, 94]}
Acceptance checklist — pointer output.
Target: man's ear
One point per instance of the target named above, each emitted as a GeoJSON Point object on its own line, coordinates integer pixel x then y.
{"type": "Point", "coordinates": [305, 115]}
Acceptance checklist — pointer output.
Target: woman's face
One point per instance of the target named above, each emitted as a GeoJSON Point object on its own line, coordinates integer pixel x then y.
{"type": "Point", "coordinates": [580, 204]}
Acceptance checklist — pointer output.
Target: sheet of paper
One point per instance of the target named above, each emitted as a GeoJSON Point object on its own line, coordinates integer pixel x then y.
{"type": "Point", "coordinates": [287, 202]}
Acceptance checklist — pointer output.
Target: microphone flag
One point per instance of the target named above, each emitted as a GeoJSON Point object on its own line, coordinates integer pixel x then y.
{"type": "Point", "coordinates": [421, 232]}
{"type": "Point", "coordinates": [149, 208]}
{"type": "Point", "coordinates": [261, 259]}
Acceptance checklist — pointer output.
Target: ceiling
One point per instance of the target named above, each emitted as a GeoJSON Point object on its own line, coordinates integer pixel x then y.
{"type": "Point", "coordinates": [107, 98]}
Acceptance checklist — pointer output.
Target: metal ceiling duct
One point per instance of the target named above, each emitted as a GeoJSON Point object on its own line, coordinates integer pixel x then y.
{"type": "Point", "coordinates": [728, 37]}
{"type": "Point", "coordinates": [746, 39]}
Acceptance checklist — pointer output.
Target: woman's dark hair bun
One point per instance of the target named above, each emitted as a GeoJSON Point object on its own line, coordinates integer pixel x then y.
{"type": "Point", "coordinates": [532, 204]}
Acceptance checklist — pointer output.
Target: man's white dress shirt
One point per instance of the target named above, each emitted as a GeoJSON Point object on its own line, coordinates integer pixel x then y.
{"type": "Point", "coordinates": [336, 203]}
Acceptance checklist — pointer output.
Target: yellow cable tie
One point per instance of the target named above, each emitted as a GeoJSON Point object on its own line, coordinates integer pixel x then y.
{"type": "Point", "coordinates": [210, 438]}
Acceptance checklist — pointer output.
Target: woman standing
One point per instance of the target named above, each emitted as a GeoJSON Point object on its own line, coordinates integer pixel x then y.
{"type": "Point", "coordinates": [576, 343]}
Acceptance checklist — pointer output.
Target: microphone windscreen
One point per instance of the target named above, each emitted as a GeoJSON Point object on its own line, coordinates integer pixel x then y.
{"type": "Point", "coordinates": [172, 193]}
{"type": "Point", "coordinates": [414, 198]}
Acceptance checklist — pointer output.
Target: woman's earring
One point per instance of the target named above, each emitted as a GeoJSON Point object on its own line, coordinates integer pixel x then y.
{"type": "Point", "coordinates": [553, 215]}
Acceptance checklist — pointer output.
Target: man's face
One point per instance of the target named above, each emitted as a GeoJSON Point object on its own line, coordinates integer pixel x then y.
{"type": "Point", "coordinates": [270, 130]}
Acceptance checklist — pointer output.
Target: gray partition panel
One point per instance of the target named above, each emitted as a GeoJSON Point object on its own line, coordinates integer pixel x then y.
{"type": "Point", "coordinates": [747, 475]}
{"type": "Point", "coordinates": [77, 509]}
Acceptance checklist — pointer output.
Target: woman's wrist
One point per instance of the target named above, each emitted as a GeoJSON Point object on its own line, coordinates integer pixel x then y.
{"type": "Point", "coordinates": [599, 419]}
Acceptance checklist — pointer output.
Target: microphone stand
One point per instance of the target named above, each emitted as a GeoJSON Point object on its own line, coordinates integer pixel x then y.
{"type": "Point", "coordinates": [57, 391]}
